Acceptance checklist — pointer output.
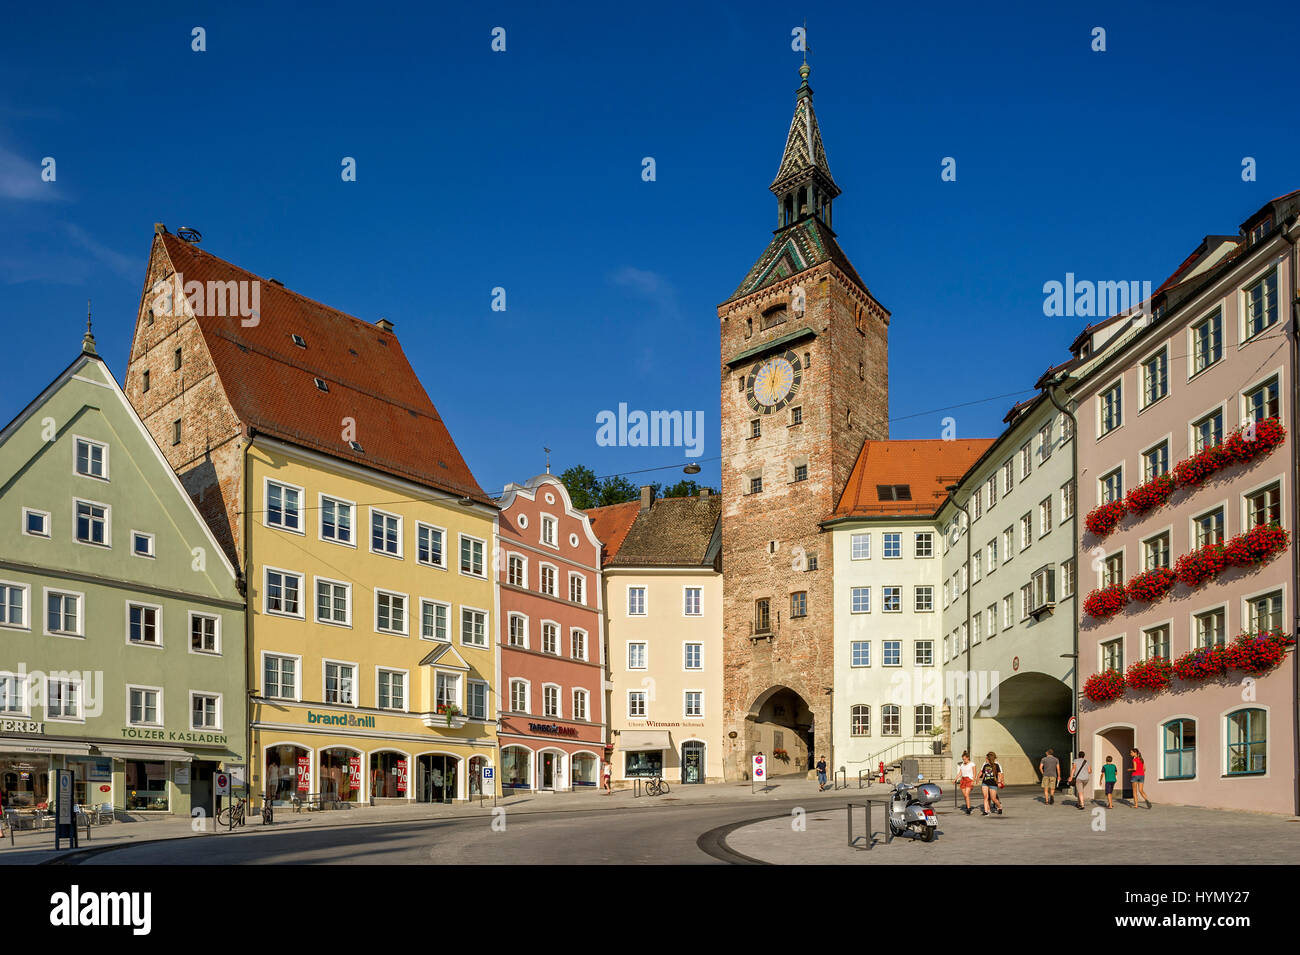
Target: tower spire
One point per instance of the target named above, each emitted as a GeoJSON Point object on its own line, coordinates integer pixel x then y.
{"type": "Point", "coordinates": [88, 340]}
{"type": "Point", "coordinates": [803, 185]}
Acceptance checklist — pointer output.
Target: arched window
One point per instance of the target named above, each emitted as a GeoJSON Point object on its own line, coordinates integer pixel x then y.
{"type": "Point", "coordinates": [1247, 742]}
{"type": "Point", "coordinates": [861, 721]}
{"type": "Point", "coordinates": [924, 719]}
{"type": "Point", "coordinates": [1179, 750]}
{"type": "Point", "coordinates": [891, 722]}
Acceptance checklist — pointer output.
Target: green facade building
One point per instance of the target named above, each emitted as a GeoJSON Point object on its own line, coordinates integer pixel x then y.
{"type": "Point", "coordinates": [121, 620]}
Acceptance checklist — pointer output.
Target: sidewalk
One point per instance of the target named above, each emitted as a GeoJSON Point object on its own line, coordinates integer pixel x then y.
{"type": "Point", "coordinates": [33, 848]}
{"type": "Point", "coordinates": [1029, 832]}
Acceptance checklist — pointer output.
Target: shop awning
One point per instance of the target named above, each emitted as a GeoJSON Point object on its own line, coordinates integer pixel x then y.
{"type": "Point", "coordinates": [146, 752]}
{"type": "Point", "coordinates": [630, 740]}
{"type": "Point", "coordinates": [52, 748]}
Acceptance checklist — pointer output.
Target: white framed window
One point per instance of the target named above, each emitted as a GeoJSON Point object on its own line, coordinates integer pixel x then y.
{"type": "Point", "coordinates": [1008, 612]}
{"type": "Point", "coordinates": [693, 704]}
{"type": "Point", "coordinates": [1264, 612]}
{"type": "Point", "coordinates": [860, 546]}
{"type": "Point", "coordinates": [1155, 377]}
{"type": "Point", "coordinates": [923, 653]}
{"type": "Point", "coordinates": [517, 631]}
{"type": "Point", "coordinates": [13, 693]}
{"type": "Point", "coordinates": [1008, 478]}
{"type": "Point", "coordinates": [390, 689]}
{"type": "Point", "coordinates": [92, 522]}
{"type": "Point", "coordinates": [1067, 578]}
{"type": "Point", "coordinates": [636, 655]}
{"type": "Point", "coordinates": [693, 655]}
{"type": "Point", "coordinates": [1261, 304]}
{"type": "Point", "coordinates": [691, 601]}
{"type": "Point", "coordinates": [473, 627]}
{"type": "Point", "coordinates": [205, 710]}
{"type": "Point", "coordinates": [1008, 545]}
{"type": "Point", "coordinates": [860, 720]}
{"type": "Point", "coordinates": [923, 598]}
{"type": "Point", "coordinates": [385, 533]}
{"type": "Point", "coordinates": [991, 490]}
{"type": "Point", "coordinates": [1260, 402]}
{"type": "Point", "coordinates": [546, 582]}
{"type": "Point", "coordinates": [991, 549]}
{"type": "Point", "coordinates": [336, 520]}
{"type": "Point", "coordinates": [1110, 487]}
{"type": "Point", "coordinates": [636, 704]}
{"type": "Point", "coordinates": [144, 705]}
{"type": "Point", "coordinates": [548, 531]}
{"type": "Point", "coordinates": [923, 544]}
{"type": "Point", "coordinates": [580, 704]}
{"type": "Point", "coordinates": [1026, 531]}
{"type": "Point", "coordinates": [63, 699]}
{"type": "Point", "coordinates": [636, 602]}
{"type": "Point", "coordinates": [1263, 505]}
{"type": "Point", "coordinates": [280, 676]}
{"type": "Point", "coordinates": [893, 545]}
{"type": "Point", "coordinates": [430, 545]}
{"type": "Point", "coordinates": [435, 620]}
{"type": "Point", "coordinates": [472, 550]}
{"type": "Point", "coordinates": [1210, 627]}
{"type": "Point", "coordinates": [282, 593]}
{"type": "Point", "coordinates": [15, 601]}
{"type": "Point", "coordinates": [550, 637]}
{"type": "Point", "coordinates": [390, 612]}
{"type": "Point", "coordinates": [891, 653]}
{"type": "Point", "coordinates": [333, 602]}
{"type": "Point", "coordinates": [205, 633]}
{"type": "Point", "coordinates": [1110, 409]}
{"type": "Point", "coordinates": [519, 696]}
{"type": "Point", "coordinates": [36, 523]}
{"type": "Point", "coordinates": [339, 680]}
{"type": "Point", "coordinates": [283, 506]}
{"type": "Point", "coordinates": [551, 701]}
{"type": "Point", "coordinates": [476, 696]}
{"type": "Point", "coordinates": [446, 690]}
{"type": "Point", "coordinates": [63, 615]}
{"type": "Point", "coordinates": [1043, 586]}
{"type": "Point", "coordinates": [90, 458]}
{"type": "Point", "coordinates": [1026, 461]}
{"type": "Point", "coordinates": [860, 653]}
{"type": "Point", "coordinates": [144, 624]}
{"type": "Point", "coordinates": [1209, 527]}
{"type": "Point", "coordinates": [991, 620]}
{"type": "Point", "coordinates": [142, 544]}
{"type": "Point", "coordinates": [577, 588]}
{"type": "Point", "coordinates": [860, 600]}
{"type": "Point", "coordinates": [1206, 342]}
{"type": "Point", "coordinates": [516, 571]}
{"type": "Point", "coordinates": [578, 644]}
{"type": "Point", "coordinates": [1045, 517]}
{"type": "Point", "coordinates": [1207, 431]}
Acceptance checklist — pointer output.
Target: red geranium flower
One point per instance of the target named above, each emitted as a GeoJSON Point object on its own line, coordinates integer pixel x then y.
{"type": "Point", "coordinates": [1106, 602]}
{"type": "Point", "coordinates": [1104, 687]}
{"type": "Point", "coordinates": [1257, 652]}
{"type": "Point", "coordinates": [1153, 674]}
{"type": "Point", "coordinates": [1155, 493]}
{"type": "Point", "coordinates": [1201, 664]}
{"type": "Point", "coordinates": [1200, 565]}
{"type": "Point", "coordinates": [1101, 520]}
{"type": "Point", "coordinates": [1150, 585]}
{"type": "Point", "coordinates": [1257, 546]}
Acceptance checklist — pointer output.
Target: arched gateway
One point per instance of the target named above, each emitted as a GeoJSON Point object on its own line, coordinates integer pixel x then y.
{"type": "Point", "coordinates": [779, 724]}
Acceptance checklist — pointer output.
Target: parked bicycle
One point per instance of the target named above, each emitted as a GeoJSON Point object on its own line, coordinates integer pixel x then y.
{"type": "Point", "coordinates": [268, 814]}
{"type": "Point", "coordinates": [232, 815]}
{"type": "Point", "coordinates": [656, 786]}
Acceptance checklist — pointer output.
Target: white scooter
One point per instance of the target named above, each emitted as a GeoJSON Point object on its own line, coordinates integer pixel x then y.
{"type": "Point", "coordinates": [909, 808]}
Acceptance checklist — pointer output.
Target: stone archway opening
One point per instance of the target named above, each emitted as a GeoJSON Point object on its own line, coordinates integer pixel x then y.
{"type": "Point", "coordinates": [780, 725]}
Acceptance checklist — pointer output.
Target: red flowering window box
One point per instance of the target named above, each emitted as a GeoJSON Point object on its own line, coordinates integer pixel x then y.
{"type": "Point", "coordinates": [1243, 445]}
{"type": "Point", "coordinates": [1201, 664]}
{"type": "Point", "coordinates": [1154, 493]}
{"type": "Point", "coordinates": [1101, 520]}
{"type": "Point", "coordinates": [1257, 546]}
{"type": "Point", "coordinates": [1153, 674]}
{"type": "Point", "coordinates": [1106, 602]}
{"type": "Point", "coordinates": [1104, 687]}
{"type": "Point", "coordinates": [1197, 567]}
{"type": "Point", "coordinates": [1257, 652]}
{"type": "Point", "coordinates": [1149, 586]}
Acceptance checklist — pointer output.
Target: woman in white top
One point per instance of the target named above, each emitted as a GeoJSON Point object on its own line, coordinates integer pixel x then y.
{"type": "Point", "coordinates": [965, 778]}
{"type": "Point", "coordinates": [1080, 775]}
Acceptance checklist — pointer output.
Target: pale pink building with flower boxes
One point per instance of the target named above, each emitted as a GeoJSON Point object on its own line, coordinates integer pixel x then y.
{"type": "Point", "coordinates": [1187, 476]}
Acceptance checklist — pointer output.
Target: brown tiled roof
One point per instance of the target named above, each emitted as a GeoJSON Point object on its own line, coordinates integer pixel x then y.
{"type": "Point", "coordinates": [926, 466]}
{"type": "Point", "coordinates": [610, 524]}
{"type": "Point", "coordinates": [270, 381]}
{"type": "Point", "coordinates": [673, 532]}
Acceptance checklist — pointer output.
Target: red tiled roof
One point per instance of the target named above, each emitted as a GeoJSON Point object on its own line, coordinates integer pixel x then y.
{"type": "Point", "coordinates": [610, 524]}
{"type": "Point", "coordinates": [270, 381]}
{"type": "Point", "coordinates": [926, 466]}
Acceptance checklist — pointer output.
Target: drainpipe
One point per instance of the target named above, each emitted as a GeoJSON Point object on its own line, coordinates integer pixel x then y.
{"type": "Point", "coordinates": [1295, 502]}
{"type": "Point", "coordinates": [248, 626]}
{"type": "Point", "coordinates": [970, 585]}
{"type": "Point", "coordinates": [1074, 543]}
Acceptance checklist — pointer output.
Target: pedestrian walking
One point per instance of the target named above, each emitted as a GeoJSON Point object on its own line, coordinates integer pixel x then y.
{"type": "Point", "coordinates": [1139, 777]}
{"type": "Point", "coordinates": [1110, 773]}
{"type": "Point", "coordinates": [821, 773]}
{"type": "Point", "coordinates": [1080, 776]}
{"type": "Point", "coordinates": [965, 779]}
{"type": "Point", "coordinates": [609, 789]}
{"type": "Point", "coordinates": [991, 781]}
{"type": "Point", "coordinates": [1050, 768]}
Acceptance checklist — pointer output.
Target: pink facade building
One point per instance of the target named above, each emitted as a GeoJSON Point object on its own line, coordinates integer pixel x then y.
{"type": "Point", "coordinates": [1214, 355]}
{"type": "Point", "coordinates": [553, 723]}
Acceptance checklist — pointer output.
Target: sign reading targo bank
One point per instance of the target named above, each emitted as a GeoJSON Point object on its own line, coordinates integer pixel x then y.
{"type": "Point", "coordinates": [554, 728]}
{"type": "Point", "coordinates": [175, 736]}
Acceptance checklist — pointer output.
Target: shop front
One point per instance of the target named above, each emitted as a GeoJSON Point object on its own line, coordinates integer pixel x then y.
{"type": "Point", "coordinates": [644, 752]}
{"type": "Point", "coordinates": [549, 756]}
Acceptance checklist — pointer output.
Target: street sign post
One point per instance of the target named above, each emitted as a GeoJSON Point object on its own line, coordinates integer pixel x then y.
{"type": "Point", "coordinates": [758, 772]}
{"type": "Point", "coordinates": [64, 825]}
{"type": "Point", "coordinates": [221, 786]}
{"type": "Point", "coordinates": [1072, 724]}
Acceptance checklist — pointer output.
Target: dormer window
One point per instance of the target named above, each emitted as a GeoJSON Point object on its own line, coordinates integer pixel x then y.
{"type": "Point", "coordinates": [356, 446]}
{"type": "Point", "coordinates": [299, 341]}
{"type": "Point", "coordinates": [321, 385]}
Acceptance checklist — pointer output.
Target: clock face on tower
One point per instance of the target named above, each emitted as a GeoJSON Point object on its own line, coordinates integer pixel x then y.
{"type": "Point", "coordinates": [773, 383]}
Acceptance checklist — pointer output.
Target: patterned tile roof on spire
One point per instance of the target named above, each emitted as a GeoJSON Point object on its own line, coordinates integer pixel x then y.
{"type": "Point", "coordinates": [270, 381]}
{"type": "Point", "coordinates": [792, 250]}
{"type": "Point", "coordinates": [803, 144]}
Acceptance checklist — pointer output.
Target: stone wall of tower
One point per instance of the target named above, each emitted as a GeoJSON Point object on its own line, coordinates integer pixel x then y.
{"type": "Point", "coordinates": [209, 458]}
{"type": "Point", "coordinates": [765, 534]}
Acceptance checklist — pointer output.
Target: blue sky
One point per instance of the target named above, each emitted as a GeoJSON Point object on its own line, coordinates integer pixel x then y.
{"type": "Point", "coordinates": [522, 170]}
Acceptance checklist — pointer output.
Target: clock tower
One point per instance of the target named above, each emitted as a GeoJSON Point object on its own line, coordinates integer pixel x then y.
{"type": "Point", "coordinates": [804, 382]}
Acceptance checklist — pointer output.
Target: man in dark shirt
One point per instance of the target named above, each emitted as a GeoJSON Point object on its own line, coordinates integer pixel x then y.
{"type": "Point", "coordinates": [821, 773]}
{"type": "Point", "coordinates": [1050, 767]}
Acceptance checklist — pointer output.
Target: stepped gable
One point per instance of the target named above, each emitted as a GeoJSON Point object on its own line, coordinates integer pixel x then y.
{"type": "Point", "coordinates": [270, 381]}
{"type": "Point", "coordinates": [926, 467]}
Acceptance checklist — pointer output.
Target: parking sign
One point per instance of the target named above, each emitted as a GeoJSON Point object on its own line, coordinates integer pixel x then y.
{"type": "Point", "coordinates": [760, 767]}
{"type": "Point", "coordinates": [222, 783]}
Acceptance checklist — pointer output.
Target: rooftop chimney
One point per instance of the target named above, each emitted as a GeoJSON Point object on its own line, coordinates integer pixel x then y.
{"type": "Point", "coordinates": [159, 229]}
{"type": "Point", "coordinates": [705, 492]}
{"type": "Point", "coordinates": [647, 496]}
{"type": "Point", "coordinates": [384, 325]}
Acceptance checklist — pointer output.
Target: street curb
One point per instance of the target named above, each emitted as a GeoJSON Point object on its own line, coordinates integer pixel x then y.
{"type": "Point", "coordinates": [714, 842]}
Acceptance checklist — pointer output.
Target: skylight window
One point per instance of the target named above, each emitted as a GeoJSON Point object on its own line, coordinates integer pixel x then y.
{"type": "Point", "coordinates": [299, 341]}
{"type": "Point", "coordinates": [356, 446]}
{"type": "Point", "coordinates": [320, 383]}
{"type": "Point", "coordinates": [894, 492]}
